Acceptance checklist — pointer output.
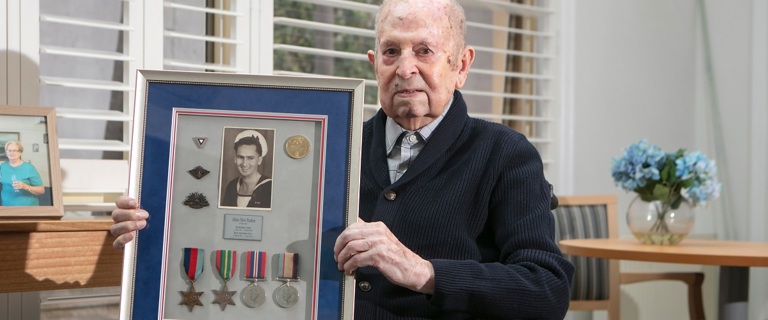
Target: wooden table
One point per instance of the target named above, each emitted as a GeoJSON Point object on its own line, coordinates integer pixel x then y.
{"type": "Point", "coordinates": [734, 257]}
{"type": "Point", "coordinates": [690, 251]}
{"type": "Point", "coordinates": [53, 255]}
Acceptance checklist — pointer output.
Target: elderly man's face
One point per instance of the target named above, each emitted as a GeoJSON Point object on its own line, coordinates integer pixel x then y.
{"type": "Point", "coordinates": [416, 64]}
{"type": "Point", "coordinates": [247, 159]}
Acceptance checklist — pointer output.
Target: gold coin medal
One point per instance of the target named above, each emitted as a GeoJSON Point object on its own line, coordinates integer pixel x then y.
{"type": "Point", "coordinates": [226, 262]}
{"type": "Point", "coordinates": [193, 260]}
{"type": "Point", "coordinates": [255, 270]}
{"type": "Point", "coordinates": [286, 295]}
{"type": "Point", "coordinates": [297, 147]}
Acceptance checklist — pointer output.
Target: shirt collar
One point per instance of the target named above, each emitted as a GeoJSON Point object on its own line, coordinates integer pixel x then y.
{"type": "Point", "coordinates": [393, 130]}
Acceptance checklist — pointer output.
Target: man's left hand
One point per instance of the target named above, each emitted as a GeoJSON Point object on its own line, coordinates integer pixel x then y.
{"type": "Point", "coordinates": [365, 244]}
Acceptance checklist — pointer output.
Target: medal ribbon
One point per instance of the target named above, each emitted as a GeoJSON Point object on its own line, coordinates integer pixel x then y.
{"type": "Point", "coordinates": [193, 262]}
{"type": "Point", "coordinates": [226, 262]}
{"type": "Point", "coordinates": [288, 265]}
{"type": "Point", "coordinates": [255, 264]}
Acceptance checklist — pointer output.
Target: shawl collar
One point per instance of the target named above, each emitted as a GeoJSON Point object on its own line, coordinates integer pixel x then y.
{"type": "Point", "coordinates": [441, 142]}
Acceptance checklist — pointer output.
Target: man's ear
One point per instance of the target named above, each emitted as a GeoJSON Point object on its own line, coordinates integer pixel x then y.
{"type": "Point", "coordinates": [372, 57]}
{"type": "Point", "coordinates": [467, 57]}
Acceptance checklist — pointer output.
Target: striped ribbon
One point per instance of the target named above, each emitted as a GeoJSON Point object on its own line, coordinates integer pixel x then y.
{"type": "Point", "coordinates": [193, 262]}
{"type": "Point", "coordinates": [288, 265]}
{"type": "Point", "coordinates": [255, 264]}
{"type": "Point", "coordinates": [226, 263]}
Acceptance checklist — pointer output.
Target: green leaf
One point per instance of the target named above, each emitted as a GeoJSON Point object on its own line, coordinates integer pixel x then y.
{"type": "Point", "coordinates": [661, 192]}
{"type": "Point", "coordinates": [672, 172]}
{"type": "Point", "coordinates": [665, 172]}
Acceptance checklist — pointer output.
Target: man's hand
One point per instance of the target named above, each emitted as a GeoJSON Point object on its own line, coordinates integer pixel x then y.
{"type": "Point", "coordinates": [372, 244]}
{"type": "Point", "coordinates": [128, 218]}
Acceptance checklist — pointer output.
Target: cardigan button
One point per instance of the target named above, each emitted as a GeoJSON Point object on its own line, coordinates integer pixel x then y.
{"type": "Point", "coordinates": [390, 195]}
{"type": "Point", "coordinates": [365, 286]}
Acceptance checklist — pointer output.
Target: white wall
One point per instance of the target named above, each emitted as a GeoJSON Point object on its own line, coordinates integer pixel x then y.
{"type": "Point", "coordinates": [638, 72]}
{"type": "Point", "coordinates": [634, 76]}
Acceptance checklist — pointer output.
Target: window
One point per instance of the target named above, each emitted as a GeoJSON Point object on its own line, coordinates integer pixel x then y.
{"type": "Point", "coordinates": [88, 50]}
{"type": "Point", "coordinates": [511, 81]}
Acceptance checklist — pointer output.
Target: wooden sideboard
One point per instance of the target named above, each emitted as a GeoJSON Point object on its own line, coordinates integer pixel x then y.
{"type": "Point", "coordinates": [57, 254]}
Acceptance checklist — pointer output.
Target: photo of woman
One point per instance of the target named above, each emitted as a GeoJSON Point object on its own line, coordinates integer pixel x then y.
{"type": "Point", "coordinates": [21, 183]}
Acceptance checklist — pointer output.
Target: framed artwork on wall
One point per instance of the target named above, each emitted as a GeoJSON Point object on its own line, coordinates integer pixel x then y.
{"type": "Point", "coordinates": [30, 174]}
{"type": "Point", "coordinates": [5, 137]}
{"type": "Point", "coordinates": [248, 180]}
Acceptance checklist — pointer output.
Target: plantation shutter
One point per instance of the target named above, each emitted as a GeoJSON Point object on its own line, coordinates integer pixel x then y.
{"type": "Point", "coordinates": [513, 78]}
{"type": "Point", "coordinates": [89, 54]}
{"type": "Point", "coordinates": [87, 60]}
{"type": "Point", "coordinates": [207, 35]}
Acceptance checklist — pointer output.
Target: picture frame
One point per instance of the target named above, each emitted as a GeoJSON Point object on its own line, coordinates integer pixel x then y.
{"type": "Point", "coordinates": [39, 195]}
{"type": "Point", "coordinates": [193, 259]}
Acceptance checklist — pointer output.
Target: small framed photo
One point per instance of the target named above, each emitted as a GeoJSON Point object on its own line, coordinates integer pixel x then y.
{"type": "Point", "coordinates": [30, 175]}
{"type": "Point", "coordinates": [248, 180]}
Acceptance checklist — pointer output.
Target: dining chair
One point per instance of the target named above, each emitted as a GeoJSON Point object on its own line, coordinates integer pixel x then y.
{"type": "Point", "coordinates": [596, 281]}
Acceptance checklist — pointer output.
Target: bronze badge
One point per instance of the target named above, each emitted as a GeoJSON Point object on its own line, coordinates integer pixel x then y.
{"type": "Point", "coordinates": [199, 172]}
{"type": "Point", "coordinates": [196, 200]}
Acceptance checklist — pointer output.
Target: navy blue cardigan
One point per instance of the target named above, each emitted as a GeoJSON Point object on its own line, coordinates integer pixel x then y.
{"type": "Point", "coordinates": [476, 204]}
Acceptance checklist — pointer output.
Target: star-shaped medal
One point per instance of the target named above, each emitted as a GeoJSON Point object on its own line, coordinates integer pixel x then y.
{"type": "Point", "coordinates": [223, 296]}
{"type": "Point", "coordinates": [190, 298]}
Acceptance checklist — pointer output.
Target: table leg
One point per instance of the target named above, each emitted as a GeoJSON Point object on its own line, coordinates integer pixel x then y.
{"type": "Point", "coordinates": [734, 293]}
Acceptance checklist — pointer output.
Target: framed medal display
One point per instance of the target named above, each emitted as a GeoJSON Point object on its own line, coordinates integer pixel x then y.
{"type": "Point", "coordinates": [248, 181]}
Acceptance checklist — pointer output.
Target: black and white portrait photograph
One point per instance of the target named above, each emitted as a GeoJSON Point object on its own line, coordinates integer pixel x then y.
{"type": "Point", "coordinates": [247, 159]}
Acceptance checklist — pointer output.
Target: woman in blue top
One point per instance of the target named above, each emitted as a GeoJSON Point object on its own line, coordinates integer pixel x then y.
{"type": "Point", "coordinates": [21, 183]}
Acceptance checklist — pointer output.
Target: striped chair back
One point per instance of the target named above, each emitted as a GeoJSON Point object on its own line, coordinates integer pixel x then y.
{"type": "Point", "coordinates": [596, 281]}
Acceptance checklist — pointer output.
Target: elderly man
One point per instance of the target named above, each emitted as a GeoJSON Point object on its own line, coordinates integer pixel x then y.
{"type": "Point", "coordinates": [454, 211]}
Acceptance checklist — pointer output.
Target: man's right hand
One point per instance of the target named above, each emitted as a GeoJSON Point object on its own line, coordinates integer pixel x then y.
{"type": "Point", "coordinates": [128, 218]}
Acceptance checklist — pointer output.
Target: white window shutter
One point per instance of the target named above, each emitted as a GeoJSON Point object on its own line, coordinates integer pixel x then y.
{"type": "Point", "coordinates": [88, 57]}
{"type": "Point", "coordinates": [207, 36]}
{"type": "Point", "coordinates": [311, 35]}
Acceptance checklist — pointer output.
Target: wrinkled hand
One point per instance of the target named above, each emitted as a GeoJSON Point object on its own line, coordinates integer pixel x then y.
{"type": "Point", "coordinates": [365, 244]}
{"type": "Point", "coordinates": [128, 218]}
{"type": "Point", "coordinates": [18, 185]}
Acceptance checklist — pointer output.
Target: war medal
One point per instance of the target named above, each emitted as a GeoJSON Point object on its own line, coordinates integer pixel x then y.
{"type": "Point", "coordinates": [193, 260]}
{"type": "Point", "coordinates": [226, 262]}
{"type": "Point", "coordinates": [255, 269]}
{"type": "Point", "coordinates": [286, 295]}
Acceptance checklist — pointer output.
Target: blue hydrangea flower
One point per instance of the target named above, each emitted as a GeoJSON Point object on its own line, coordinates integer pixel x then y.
{"type": "Point", "coordinates": [642, 165]}
{"type": "Point", "coordinates": [703, 173]}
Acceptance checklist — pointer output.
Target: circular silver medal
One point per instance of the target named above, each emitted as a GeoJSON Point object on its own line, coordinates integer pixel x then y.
{"type": "Point", "coordinates": [286, 296]}
{"type": "Point", "coordinates": [253, 296]}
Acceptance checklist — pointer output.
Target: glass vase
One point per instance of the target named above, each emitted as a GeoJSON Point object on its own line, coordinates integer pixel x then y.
{"type": "Point", "coordinates": [655, 222]}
